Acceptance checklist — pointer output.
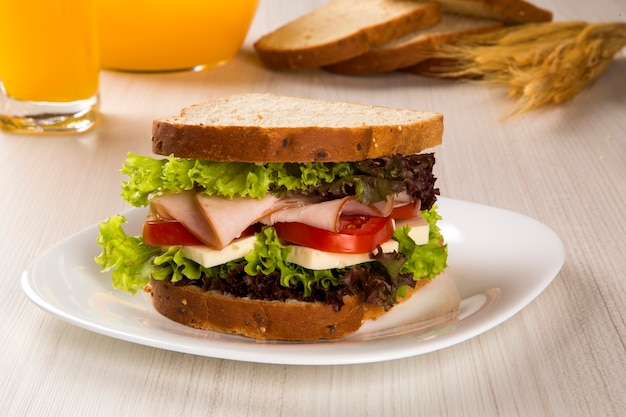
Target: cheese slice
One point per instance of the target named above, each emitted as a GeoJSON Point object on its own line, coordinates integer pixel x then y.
{"type": "Point", "coordinates": [419, 231]}
{"type": "Point", "coordinates": [317, 259]}
{"type": "Point", "coordinates": [299, 255]}
{"type": "Point", "coordinates": [208, 257]}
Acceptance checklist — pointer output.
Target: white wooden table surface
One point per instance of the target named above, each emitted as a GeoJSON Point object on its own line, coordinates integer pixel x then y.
{"type": "Point", "coordinates": [563, 355]}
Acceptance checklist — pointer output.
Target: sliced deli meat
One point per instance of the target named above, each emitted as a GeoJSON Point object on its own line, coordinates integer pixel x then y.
{"type": "Point", "coordinates": [379, 208]}
{"type": "Point", "coordinates": [326, 215]}
{"type": "Point", "coordinates": [216, 221]}
{"type": "Point", "coordinates": [228, 218]}
{"type": "Point", "coordinates": [184, 208]}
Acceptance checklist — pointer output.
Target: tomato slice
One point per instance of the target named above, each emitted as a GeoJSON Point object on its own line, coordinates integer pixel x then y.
{"type": "Point", "coordinates": [406, 211]}
{"type": "Point", "coordinates": [164, 232]}
{"type": "Point", "coordinates": [167, 233]}
{"type": "Point", "coordinates": [358, 234]}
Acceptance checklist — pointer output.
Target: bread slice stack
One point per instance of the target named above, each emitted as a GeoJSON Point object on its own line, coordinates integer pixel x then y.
{"type": "Point", "coordinates": [358, 37]}
{"type": "Point", "coordinates": [343, 29]}
{"type": "Point", "coordinates": [415, 47]}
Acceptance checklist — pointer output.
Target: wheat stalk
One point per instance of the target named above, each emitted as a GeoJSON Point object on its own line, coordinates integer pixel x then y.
{"type": "Point", "coordinates": [540, 63]}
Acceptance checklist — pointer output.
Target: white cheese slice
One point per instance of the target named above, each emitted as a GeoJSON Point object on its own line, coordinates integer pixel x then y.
{"type": "Point", "coordinates": [208, 257]}
{"type": "Point", "coordinates": [419, 229]}
{"type": "Point", "coordinates": [317, 259]}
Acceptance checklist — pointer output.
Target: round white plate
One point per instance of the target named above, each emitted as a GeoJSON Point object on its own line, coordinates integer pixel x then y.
{"type": "Point", "coordinates": [499, 260]}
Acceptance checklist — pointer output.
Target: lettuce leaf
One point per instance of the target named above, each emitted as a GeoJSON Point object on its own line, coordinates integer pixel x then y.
{"type": "Point", "coordinates": [145, 176]}
{"type": "Point", "coordinates": [424, 261]}
{"type": "Point", "coordinates": [149, 176]}
{"type": "Point", "coordinates": [370, 181]}
{"type": "Point", "coordinates": [414, 171]}
{"type": "Point", "coordinates": [130, 260]}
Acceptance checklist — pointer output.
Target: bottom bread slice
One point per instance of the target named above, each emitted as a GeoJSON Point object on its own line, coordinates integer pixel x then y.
{"type": "Point", "coordinates": [261, 319]}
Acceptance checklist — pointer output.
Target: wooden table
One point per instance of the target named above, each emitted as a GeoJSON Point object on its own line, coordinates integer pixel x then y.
{"type": "Point", "coordinates": [562, 355]}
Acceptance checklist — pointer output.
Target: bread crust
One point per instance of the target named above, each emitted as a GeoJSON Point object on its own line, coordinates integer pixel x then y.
{"type": "Point", "coordinates": [319, 144]}
{"type": "Point", "coordinates": [260, 319]}
{"type": "Point", "coordinates": [396, 131]}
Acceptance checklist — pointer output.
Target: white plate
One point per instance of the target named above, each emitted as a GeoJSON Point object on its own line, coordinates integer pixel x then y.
{"type": "Point", "coordinates": [499, 260]}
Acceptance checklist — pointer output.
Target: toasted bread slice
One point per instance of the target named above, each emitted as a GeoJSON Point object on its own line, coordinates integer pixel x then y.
{"type": "Point", "coordinates": [342, 29]}
{"type": "Point", "coordinates": [271, 128]}
{"type": "Point", "coordinates": [415, 47]}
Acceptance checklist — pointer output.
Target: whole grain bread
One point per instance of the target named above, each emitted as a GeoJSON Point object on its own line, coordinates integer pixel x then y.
{"type": "Point", "coordinates": [415, 47]}
{"type": "Point", "coordinates": [289, 320]}
{"type": "Point", "coordinates": [272, 128]}
{"type": "Point", "coordinates": [258, 319]}
{"type": "Point", "coordinates": [341, 29]}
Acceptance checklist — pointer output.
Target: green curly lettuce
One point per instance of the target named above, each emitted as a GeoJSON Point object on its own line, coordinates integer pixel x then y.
{"type": "Point", "coordinates": [149, 176]}
{"type": "Point", "coordinates": [428, 260]}
{"type": "Point", "coordinates": [370, 180]}
{"type": "Point", "coordinates": [130, 260]}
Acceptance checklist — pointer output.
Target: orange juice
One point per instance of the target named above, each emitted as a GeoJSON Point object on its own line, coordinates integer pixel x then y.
{"type": "Point", "coordinates": [47, 50]}
{"type": "Point", "coordinates": [165, 35]}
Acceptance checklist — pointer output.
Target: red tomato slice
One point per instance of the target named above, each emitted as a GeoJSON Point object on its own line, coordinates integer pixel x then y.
{"type": "Point", "coordinates": [172, 232]}
{"type": "Point", "coordinates": [407, 211]}
{"type": "Point", "coordinates": [167, 233]}
{"type": "Point", "coordinates": [358, 234]}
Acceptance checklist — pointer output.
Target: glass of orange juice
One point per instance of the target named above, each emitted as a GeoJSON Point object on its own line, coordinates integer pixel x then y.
{"type": "Point", "coordinates": [49, 65]}
{"type": "Point", "coordinates": [171, 35]}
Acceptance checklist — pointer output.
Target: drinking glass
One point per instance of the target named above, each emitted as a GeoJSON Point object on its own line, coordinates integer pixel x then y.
{"type": "Point", "coordinates": [168, 35]}
{"type": "Point", "coordinates": [49, 65]}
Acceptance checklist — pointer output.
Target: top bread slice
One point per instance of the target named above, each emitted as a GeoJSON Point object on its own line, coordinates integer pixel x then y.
{"type": "Point", "coordinates": [269, 128]}
{"type": "Point", "coordinates": [509, 11]}
{"type": "Point", "coordinates": [341, 29]}
{"type": "Point", "coordinates": [415, 47]}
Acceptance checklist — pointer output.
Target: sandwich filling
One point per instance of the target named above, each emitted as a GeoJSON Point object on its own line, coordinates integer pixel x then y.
{"type": "Point", "coordinates": [280, 231]}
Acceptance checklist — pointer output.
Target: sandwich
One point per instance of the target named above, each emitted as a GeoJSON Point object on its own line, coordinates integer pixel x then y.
{"type": "Point", "coordinates": [282, 218]}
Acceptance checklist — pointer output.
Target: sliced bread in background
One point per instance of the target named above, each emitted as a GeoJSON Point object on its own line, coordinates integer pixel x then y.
{"type": "Point", "coordinates": [342, 29]}
{"type": "Point", "coordinates": [414, 47]}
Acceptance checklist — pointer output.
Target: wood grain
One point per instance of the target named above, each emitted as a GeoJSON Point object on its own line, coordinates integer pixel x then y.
{"type": "Point", "coordinates": [563, 355]}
